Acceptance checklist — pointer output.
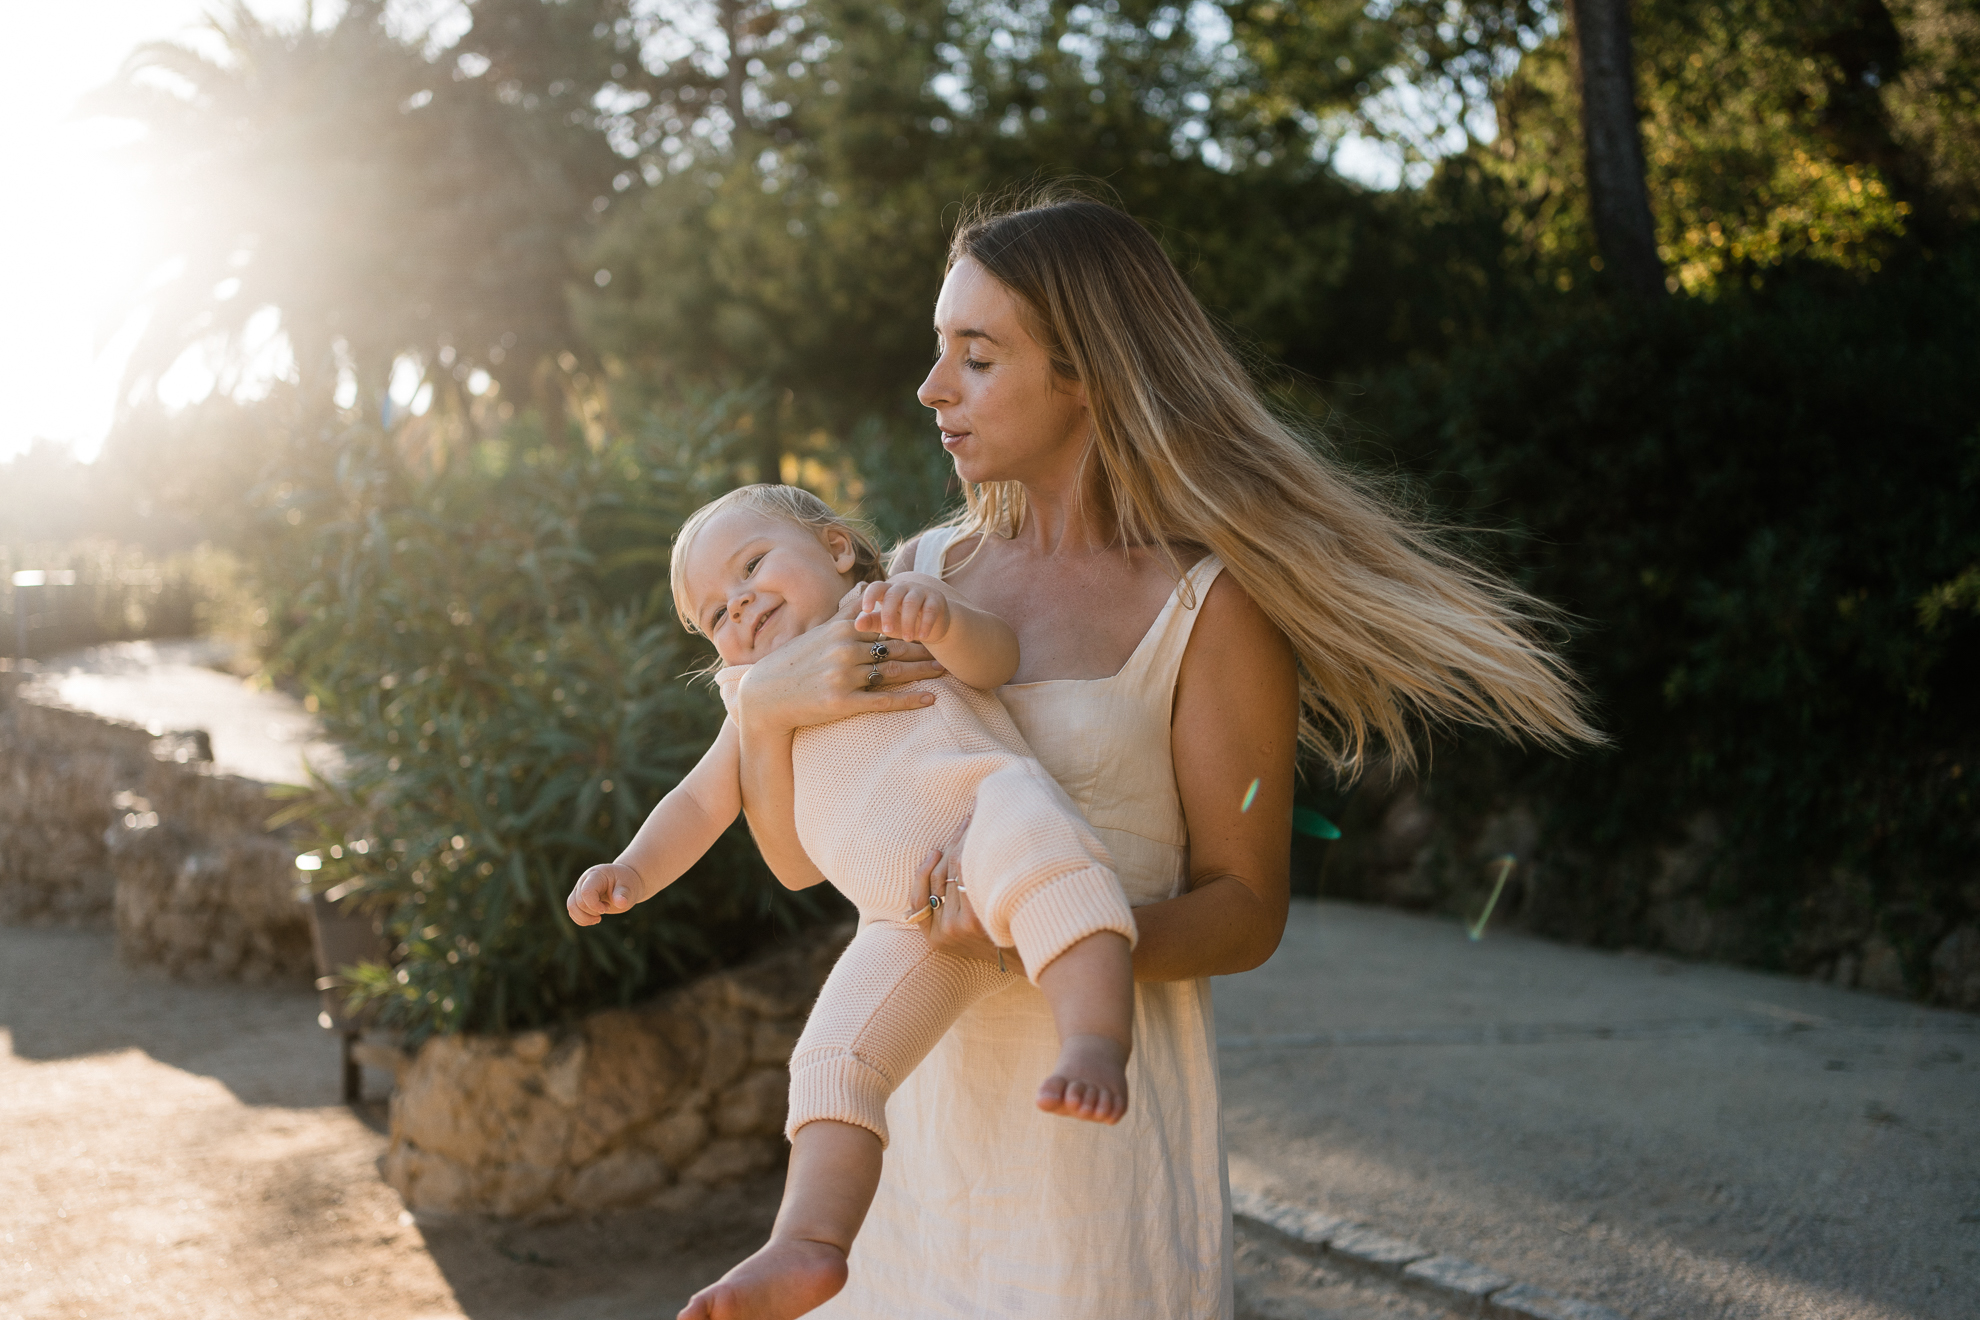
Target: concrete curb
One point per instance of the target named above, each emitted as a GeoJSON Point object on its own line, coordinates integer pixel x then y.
{"type": "Point", "coordinates": [1466, 1288]}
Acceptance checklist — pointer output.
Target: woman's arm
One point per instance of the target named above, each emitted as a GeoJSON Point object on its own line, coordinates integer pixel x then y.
{"type": "Point", "coordinates": [814, 679]}
{"type": "Point", "coordinates": [1235, 720]}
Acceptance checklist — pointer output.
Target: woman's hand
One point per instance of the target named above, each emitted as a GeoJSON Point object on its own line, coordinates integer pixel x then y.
{"type": "Point", "coordinates": [829, 673]}
{"type": "Point", "coordinates": [954, 928]}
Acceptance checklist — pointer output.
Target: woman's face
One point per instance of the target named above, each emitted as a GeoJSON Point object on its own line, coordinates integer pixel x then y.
{"type": "Point", "coordinates": [1005, 414]}
{"type": "Point", "coordinates": [756, 582]}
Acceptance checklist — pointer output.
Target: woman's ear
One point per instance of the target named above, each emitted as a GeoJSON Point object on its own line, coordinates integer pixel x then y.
{"type": "Point", "coordinates": [839, 545]}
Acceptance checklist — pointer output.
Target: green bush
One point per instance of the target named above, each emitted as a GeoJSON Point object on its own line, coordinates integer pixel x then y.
{"type": "Point", "coordinates": [494, 645]}
{"type": "Point", "coordinates": [1765, 514]}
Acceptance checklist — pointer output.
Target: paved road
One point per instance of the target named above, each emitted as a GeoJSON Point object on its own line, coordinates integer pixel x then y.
{"type": "Point", "coordinates": [1674, 1141]}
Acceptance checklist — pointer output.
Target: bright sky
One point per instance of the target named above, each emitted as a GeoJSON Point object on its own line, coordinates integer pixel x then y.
{"type": "Point", "coordinates": [71, 218]}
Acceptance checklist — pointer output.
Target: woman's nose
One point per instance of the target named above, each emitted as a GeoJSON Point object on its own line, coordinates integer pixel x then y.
{"type": "Point", "coordinates": [935, 391]}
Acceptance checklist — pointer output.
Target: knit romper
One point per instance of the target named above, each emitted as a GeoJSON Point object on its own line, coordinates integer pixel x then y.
{"type": "Point", "coordinates": [874, 793]}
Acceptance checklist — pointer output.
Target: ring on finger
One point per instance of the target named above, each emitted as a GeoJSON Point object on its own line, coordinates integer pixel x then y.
{"type": "Point", "coordinates": [879, 650]}
{"type": "Point", "coordinates": [873, 678]}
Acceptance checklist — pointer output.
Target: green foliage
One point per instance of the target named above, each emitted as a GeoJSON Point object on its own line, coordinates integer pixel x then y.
{"type": "Point", "coordinates": [494, 646]}
{"type": "Point", "coordinates": [1764, 512]}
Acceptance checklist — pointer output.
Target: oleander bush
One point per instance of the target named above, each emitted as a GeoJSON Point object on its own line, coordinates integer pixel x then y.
{"type": "Point", "coordinates": [1763, 513]}
{"type": "Point", "coordinates": [493, 643]}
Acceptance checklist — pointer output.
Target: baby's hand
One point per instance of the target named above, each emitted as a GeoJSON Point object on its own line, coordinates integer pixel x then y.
{"type": "Point", "coordinates": [912, 607]}
{"type": "Point", "coordinates": [601, 891]}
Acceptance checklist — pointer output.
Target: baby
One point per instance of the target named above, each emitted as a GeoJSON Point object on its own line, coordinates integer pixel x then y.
{"type": "Point", "coordinates": [751, 571]}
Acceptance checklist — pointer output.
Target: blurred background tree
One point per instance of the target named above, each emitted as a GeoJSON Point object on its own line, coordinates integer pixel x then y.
{"type": "Point", "coordinates": [610, 254]}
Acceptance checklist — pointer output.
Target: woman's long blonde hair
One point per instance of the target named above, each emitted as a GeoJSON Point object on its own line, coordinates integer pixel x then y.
{"type": "Point", "coordinates": [1394, 632]}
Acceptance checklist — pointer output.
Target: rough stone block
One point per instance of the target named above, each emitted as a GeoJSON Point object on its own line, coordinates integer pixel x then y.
{"type": "Point", "coordinates": [1523, 1301]}
{"type": "Point", "coordinates": [773, 1040]}
{"type": "Point", "coordinates": [754, 1107]}
{"type": "Point", "coordinates": [522, 1188]}
{"type": "Point", "coordinates": [1298, 1225]}
{"type": "Point", "coordinates": [1455, 1280]}
{"type": "Point", "coordinates": [729, 1158]}
{"type": "Point", "coordinates": [1365, 1246]}
{"type": "Point", "coordinates": [728, 1046]}
{"type": "Point", "coordinates": [624, 1177]}
{"type": "Point", "coordinates": [678, 1138]}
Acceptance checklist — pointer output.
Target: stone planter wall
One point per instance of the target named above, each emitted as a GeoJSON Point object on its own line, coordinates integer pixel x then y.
{"type": "Point", "coordinates": [102, 823]}
{"type": "Point", "coordinates": [648, 1105]}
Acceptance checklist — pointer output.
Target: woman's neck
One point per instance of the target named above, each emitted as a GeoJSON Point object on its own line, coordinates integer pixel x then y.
{"type": "Point", "coordinates": [1070, 516]}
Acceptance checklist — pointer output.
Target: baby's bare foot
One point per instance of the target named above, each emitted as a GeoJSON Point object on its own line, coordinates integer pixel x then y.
{"type": "Point", "coordinates": [1089, 1081]}
{"type": "Point", "coordinates": [784, 1279]}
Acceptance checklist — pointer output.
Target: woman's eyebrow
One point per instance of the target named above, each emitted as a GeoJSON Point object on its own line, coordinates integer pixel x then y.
{"type": "Point", "coordinates": [984, 335]}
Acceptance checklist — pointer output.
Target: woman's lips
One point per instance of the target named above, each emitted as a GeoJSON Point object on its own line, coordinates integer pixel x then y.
{"type": "Point", "coordinates": [952, 438]}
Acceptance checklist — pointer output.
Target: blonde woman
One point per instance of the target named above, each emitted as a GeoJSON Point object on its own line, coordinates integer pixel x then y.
{"type": "Point", "coordinates": [1196, 593]}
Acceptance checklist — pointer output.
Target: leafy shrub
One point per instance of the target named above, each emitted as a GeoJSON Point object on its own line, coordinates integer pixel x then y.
{"type": "Point", "coordinates": [494, 645]}
{"type": "Point", "coordinates": [1765, 513]}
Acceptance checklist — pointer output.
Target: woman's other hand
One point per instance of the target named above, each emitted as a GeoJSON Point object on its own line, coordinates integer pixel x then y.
{"type": "Point", "coordinates": [830, 673]}
{"type": "Point", "coordinates": [603, 890]}
{"type": "Point", "coordinates": [954, 928]}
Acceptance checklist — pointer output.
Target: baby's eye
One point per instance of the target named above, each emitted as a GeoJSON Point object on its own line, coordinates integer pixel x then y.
{"type": "Point", "coordinates": [750, 567]}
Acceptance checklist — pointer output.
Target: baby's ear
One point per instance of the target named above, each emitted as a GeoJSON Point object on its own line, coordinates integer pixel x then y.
{"type": "Point", "coordinates": [839, 544]}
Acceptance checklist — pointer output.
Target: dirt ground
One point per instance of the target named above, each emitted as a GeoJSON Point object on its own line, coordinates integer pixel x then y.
{"type": "Point", "coordinates": [172, 1151]}
{"type": "Point", "coordinates": [175, 1152]}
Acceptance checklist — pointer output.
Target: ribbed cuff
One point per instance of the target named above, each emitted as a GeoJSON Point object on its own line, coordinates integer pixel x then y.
{"type": "Point", "coordinates": [839, 1087]}
{"type": "Point", "coordinates": [1060, 914]}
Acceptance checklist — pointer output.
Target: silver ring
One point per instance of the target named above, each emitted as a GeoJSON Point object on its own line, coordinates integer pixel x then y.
{"type": "Point", "coordinates": [880, 650]}
{"type": "Point", "coordinates": [873, 678]}
{"type": "Point", "coordinates": [934, 902]}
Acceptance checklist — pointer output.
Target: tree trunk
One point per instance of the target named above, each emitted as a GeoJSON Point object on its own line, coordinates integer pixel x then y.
{"type": "Point", "coordinates": [1618, 201]}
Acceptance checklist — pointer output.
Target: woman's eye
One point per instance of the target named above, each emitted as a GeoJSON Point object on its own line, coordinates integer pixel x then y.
{"type": "Point", "coordinates": [977, 364]}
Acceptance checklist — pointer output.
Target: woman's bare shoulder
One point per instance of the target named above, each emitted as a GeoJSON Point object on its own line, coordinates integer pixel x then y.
{"type": "Point", "coordinates": [1236, 639]}
{"type": "Point", "coordinates": [906, 553]}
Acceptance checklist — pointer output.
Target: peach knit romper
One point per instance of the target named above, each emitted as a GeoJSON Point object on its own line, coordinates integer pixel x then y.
{"type": "Point", "coordinates": [874, 793]}
{"type": "Point", "coordinates": [991, 1210]}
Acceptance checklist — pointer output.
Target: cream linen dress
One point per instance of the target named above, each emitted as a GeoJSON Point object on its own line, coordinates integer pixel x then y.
{"type": "Point", "coordinates": [989, 1208]}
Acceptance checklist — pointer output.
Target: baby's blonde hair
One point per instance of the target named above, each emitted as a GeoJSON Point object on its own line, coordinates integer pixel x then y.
{"type": "Point", "coordinates": [791, 504]}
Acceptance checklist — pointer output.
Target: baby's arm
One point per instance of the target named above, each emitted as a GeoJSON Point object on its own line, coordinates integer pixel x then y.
{"type": "Point", "coordinates": [974, 645]}
{"type": "Point", "coordinates": [676, 833]}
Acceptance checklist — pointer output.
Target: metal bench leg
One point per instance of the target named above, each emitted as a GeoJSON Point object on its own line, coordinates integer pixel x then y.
{"type": "Point", "coordinates": [353, 1071]}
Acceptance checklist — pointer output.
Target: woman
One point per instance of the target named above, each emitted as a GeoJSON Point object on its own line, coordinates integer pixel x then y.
{"type": "Point", "coordinates": [1195, 593]}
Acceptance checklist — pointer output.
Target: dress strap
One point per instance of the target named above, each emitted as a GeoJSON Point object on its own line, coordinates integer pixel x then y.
{"type": "Point", "coordinates": [928, 551]}
{"type": "Point", "coordinates": [1156, 662]}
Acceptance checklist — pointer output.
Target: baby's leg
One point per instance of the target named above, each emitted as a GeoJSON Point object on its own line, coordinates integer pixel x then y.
{"type": "Point", "coordinates": [835, 1169]}
{"type": "Point", "coordinates": [886, 1003]}
{"type": "Point", "coordinates": [1091, 990]}
{"type": "Point", "coordinates": [1040, 879]}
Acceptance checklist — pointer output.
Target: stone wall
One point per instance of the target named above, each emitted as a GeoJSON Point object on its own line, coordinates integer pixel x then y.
{"type": "Point", "coordinates": [102, 823]}
{"type": "Point", "coordinates": [641, 1106]}
{"type": "Point", "coordinates": [1398, 848]}
{"type": "Point", "coordinates": [60, 773]}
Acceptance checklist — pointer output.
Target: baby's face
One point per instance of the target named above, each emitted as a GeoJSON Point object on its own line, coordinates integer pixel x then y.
{"type": "Point", "coordinates": [756, 582]}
